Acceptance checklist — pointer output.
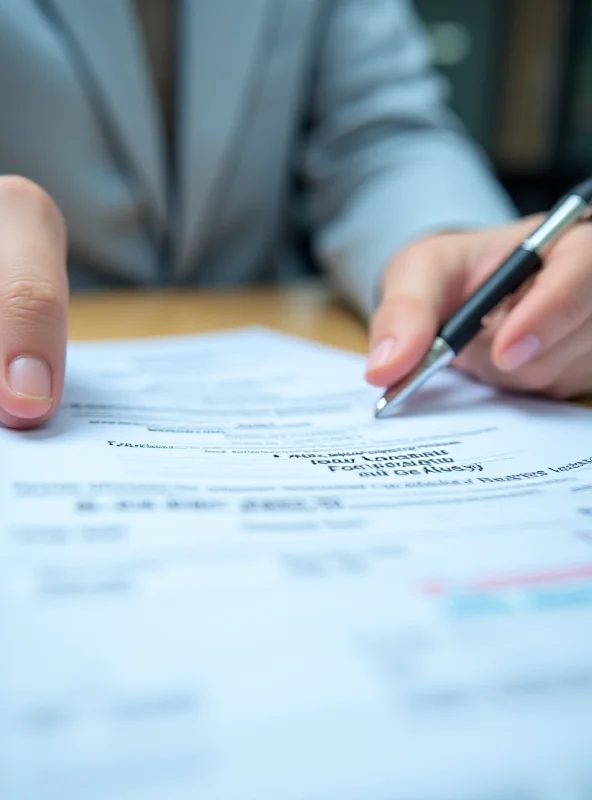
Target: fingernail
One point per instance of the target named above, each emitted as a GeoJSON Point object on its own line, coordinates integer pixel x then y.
{"type": "Point", "coordinates": [520, 352]}
{"type": "Point", "coordinates": [30, 377]}
{"type": "Point", "coordinates": [381, 354]}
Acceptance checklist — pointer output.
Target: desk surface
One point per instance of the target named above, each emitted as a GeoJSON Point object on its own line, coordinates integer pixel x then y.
{"type": "Point", "coordinates": [307, 311]}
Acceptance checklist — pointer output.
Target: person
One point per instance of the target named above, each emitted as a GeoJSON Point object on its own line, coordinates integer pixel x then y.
{"type": "Point", "coordinates": [154, 142]}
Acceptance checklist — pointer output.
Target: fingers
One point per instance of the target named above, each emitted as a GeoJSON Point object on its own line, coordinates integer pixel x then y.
{"type": "Point", "coordinates": [557, 304]}
{"type": "Point", "coordinates": [424, 285]}
{"type": "Point", "coordinates": [540, 340]}
{"type": "Point", "coordinates": [530, 342]}
{"type": "Point", "coordinates": [420, 289]}
{"type": "Point", "coordinates": [548, 374]}
{"type": "Point", "coordinates": [33, 303]}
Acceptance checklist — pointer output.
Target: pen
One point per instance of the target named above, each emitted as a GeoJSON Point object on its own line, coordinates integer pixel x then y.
{"type": "Point", "coordinates": [465, 323]}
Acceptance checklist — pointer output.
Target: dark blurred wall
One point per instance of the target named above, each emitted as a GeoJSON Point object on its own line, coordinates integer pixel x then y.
{"type": "Point", "coordinates": [521, 75]}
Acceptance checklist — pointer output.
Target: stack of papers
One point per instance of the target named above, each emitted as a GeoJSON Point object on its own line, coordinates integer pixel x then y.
{"type": "Point", "coordinates": [221, 577]}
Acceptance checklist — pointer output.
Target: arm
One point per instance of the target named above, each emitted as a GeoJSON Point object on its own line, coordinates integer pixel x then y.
{"type": "Point", "coordinates": [386, 161]}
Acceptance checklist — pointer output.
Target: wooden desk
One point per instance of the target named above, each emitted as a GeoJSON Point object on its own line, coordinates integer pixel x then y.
{"type": "Point", "coordinates": [308, 311]}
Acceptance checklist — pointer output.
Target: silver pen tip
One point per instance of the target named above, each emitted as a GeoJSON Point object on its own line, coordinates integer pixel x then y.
{"type": "Point", "coordinates": [439, 356]}
{"type": "Point", "coordinates": [382, 404]}
{"type": "Point", "coordinates": [396, 395]}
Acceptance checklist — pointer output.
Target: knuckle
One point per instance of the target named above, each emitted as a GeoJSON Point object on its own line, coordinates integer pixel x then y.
{"type": "Point", "coordinates": [26, 301]}
{"type": "Point", "coordinates": [405, 261]}
{"type": "Point", "coordinates": [404, 303]}
{"type": "Point", "coordinates": [403, 311]}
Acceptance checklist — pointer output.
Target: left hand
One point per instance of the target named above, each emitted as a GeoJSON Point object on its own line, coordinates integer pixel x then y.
{"type": "Point", "coordinates": [539, 340]}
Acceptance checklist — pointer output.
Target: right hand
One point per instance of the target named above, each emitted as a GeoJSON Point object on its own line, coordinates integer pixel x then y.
{"type": "Point", "coordinates": [537, 341]}
{"type": "Point", "coordinates": [33, 303]}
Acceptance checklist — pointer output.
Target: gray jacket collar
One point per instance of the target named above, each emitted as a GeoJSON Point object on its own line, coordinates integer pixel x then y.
{"type": "Point", "coordinates": [220, 42]}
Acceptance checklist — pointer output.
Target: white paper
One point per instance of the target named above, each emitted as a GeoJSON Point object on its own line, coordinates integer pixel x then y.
{"type": "Point", "coordinates": [221, 577]}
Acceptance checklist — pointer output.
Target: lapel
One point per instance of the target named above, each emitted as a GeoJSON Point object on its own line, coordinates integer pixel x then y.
{"type": "Point", "coordinates": [106, 37]}
{"type": "Point", "coordinates": [221, 41]}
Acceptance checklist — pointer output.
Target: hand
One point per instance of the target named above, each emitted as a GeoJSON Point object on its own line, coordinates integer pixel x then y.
{"type": "Point", "coordinates": [33, 304]}
{"type": "Point", "coordinates": [539, 340]}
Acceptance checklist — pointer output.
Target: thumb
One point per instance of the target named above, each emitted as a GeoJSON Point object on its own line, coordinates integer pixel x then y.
{"type": "Point", "coordinates": [421, 288]}
{"type": "Point", "coordinates": [33, 303]}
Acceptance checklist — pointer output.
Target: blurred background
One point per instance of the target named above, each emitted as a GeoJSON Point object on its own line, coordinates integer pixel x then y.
{"type": "Point", "coordinates": [521, 76]}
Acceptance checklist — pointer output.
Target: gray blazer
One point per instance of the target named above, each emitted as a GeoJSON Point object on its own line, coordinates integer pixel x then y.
{"type": "Point", "coordinates": [338, 95]}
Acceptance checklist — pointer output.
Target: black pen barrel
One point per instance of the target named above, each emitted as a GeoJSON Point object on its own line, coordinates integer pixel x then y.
{"type": "Point", "coordinates": [466, 322]}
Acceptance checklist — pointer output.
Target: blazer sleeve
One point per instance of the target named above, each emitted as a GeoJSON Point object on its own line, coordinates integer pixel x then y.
{"type": "Point", "coordinates": [385, 159]}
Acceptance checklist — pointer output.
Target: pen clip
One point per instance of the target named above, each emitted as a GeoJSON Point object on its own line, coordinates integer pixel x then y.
{"type": "Point", "coordinates": [570, 210]}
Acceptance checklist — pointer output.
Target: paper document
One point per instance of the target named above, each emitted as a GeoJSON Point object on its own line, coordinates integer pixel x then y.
{"type": "Point", "coordinates": [221, 577]}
